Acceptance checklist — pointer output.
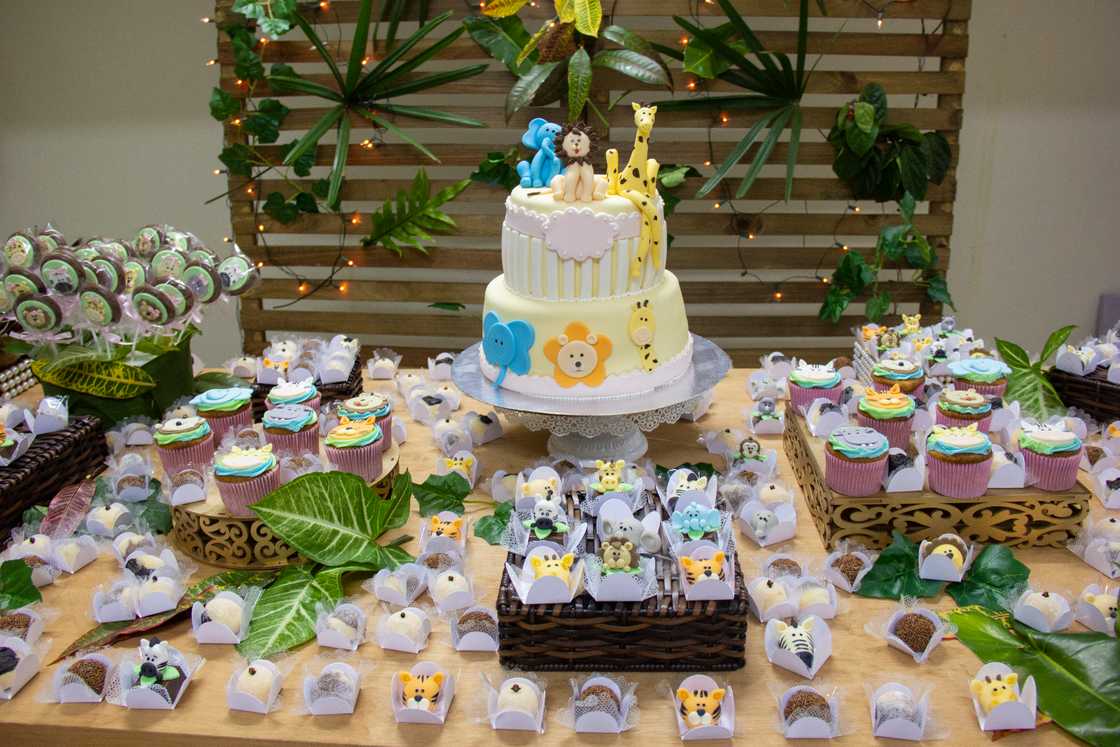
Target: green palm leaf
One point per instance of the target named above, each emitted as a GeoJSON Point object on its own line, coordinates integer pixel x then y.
{"type": "Point", "coordinates": [399, 52]}
{"type": "Point", "coordinates": [777, 124]}
{"type": "Point", "coordinates": [428, 81]}
{"type": "Point", "coordinates": [341, 151]}
{"type": "Point", "coordinates": [415, 62]}
{"type": "Point", "coordinates": [316, 42]}
{"type": "Point", "coordinates": [358, 47]}
{"type": "Point", "coordinates": [382, 122]}
{"type": "Point", "coordinates": [435, 115]}
{"type": "Point", "coordinates": [735, 154]}
{"type": "Point", "coordinates": [794, 145]}
{"type": "Point", "coordinates": [312, 136]}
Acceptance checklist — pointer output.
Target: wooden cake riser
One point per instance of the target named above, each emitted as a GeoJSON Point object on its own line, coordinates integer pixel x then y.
{"type": "Point", "coordinates": [1023, 517]}
{"type": "Point", "coordinates": [210, 535]}
{"type": "Point", "coordinates": [665, 633]}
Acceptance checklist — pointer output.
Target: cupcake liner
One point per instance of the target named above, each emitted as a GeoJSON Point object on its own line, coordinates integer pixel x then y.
{"type": "Point", "coordinates": [959, 479]}
{"type": "Point", "coordinates": [992, 390]}
{"type": "Point", "coordinates": [363, 461]}
{"type": "Point", "coordinates": [197, 455]}
{"type": "Point", "coordinates": [312, 403]}
{"type": "Point", "coordinates": [897, 430]}
{"type": "Point", "coordinates": [223, 424]}
{"type": "Point", "coordinates": [237, 496]}
{"type": "Point", "coordinates": [941, 418]}
{"type": "Point", "coordinates": [906, 386]}
{"type": "Point", "coordinates": [300, 442]}
{"type": "Point", "coordinates": [386, 426]}
{"type": "Point", "coordinates": [855, 479]}
{"type": "Point", "coordinates": [1051, 471]}
{"type": "Point", "coordinates": [803, 396]}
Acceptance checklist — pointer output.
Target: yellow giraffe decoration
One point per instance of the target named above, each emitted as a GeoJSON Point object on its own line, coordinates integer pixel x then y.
{"type": "Point", "coordinates": [638, 183]}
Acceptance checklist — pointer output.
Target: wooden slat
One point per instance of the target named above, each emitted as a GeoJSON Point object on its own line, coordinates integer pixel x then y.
{"type": "Point", "coordinates": [346, 11]}
{"type": "Point", "coordinates": [470, 154]}
{"type": "Point", "coordinates": [713, 223]}
{"type": "Point", "coordinates": [820, 117]}
{"type": "Point", "coordinates": [468, 325]}
{"type": "Point", "coordinates": [820, 42]}
{"type": "Point", "coordinates": [751, 254]}
{"type": "Point", "coordinates": [763, 189]}
{"type": "Point", "coordinates": [472, 293]}
{"type": "Point", "coordinates": [822, 81]}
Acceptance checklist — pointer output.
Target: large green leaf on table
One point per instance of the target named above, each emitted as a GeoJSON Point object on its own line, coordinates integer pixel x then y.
{"type": "Point", "coordinates": [332, 517]}
{"type": "Point", "coordinates": [588, 16]}
{"type": "Point", "coordinates": [16, 587]}
{"type": "Point", "coordinates": [107, 379]}
{"type": "Point", "coordinates": [216, 380]}
{"type": "Point", "coordinates": [526, 87]}
{"type": "Point", "coordinates": [286, 612]}
{"type": "Point", "coordinates": [1054, 342]}
{"type": "Point", "coordinates": [994, 575]}
{"type": "Point", "coordinates": [633, 65]}
{"type": "Point", "coordinates": [408, 219]}
{"type": "Point", "coordinates": [579, 83]}
{"type": "Point", "coordinates": [503, 38]}
{"type": "Point", "coordinates": [441, 493]}
{"type": "Point", "coordinates": [1027, 383]}
{"type": "Point", "coordinates": [1076, 673]}
{"type": "Point", "coordinates": [895, 573]}
{"type": "Point", "coordinates": [106, 634]}
{"type": "Point", "coordinates": [491, 528]}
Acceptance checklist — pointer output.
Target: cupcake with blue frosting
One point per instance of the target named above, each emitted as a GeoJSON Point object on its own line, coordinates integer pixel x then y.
{"type": "Point", "coordinates": [356, 446]}
{"type": "Point", "coordinates": [907, 375]}
{"type": "Point", "coordinates": [808, 381]}
{"type": "Point", "coordinates": [985, 375]}
{"type": "Point", "coordinates": [292, 429]}
{"type": "Point", "coordinates": [959, 461]}
{"type": "Point", "coordinates": [369, 405]}
{"type": "Point", "coordinates": [293, 393]}
{"type": "Point", "coordinates": [855, 460]}
{"type": "Point", "coordinates": [225, 409]}
{"type": "Point", "coordinates": [244, 476]}
{"type": "Point", "coordinates": [1051, 455]}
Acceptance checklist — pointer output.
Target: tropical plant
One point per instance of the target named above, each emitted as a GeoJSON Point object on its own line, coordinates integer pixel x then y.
{"type": "Point", "coordinates": [904, 246]}
{"type": "Point", "coordinates": [895, 573]}
{"type": "Point", "coordinates": [355, 93]}
{"type": "Point", "coordinates": [880, 160]}
{"type": "Point", "coordinates": [1075, 672]}
{"type": "Point", "coordinates": [557, 63]}
{"type": "Point", "coordinates": [16, 587]}
{"type": "Point", "coordinates": [1027, 383]}
{"type": "Point", "coordinates": [775, 88]}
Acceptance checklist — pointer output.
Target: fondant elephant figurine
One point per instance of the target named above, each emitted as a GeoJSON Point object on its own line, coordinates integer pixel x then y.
{"type": "Point", "coordinates": [541, 137]}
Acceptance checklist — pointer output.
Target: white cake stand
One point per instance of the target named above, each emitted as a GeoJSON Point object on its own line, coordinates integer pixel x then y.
{"type": "Point", "coordinates": [592, 428]}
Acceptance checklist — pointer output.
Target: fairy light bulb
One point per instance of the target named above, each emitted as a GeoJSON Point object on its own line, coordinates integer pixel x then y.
{"type": "Point", "coordinates": [684, 41]}
{"type": "Point", "coordinates": [356, 218]}
{"type": "Point", "coordinates": [211, 62]}
{"type": "Point", "coordinates": [303, 287]}
{"type": "Point", "coordinates": [206, 19]}
{"type": "Point", "coordinates": [879, 20]}
{"type": "Point", "coordinates": [777, 295]}
{"type": "Point", "coordinates": [824, 280]}
{"type": "Point", "coordinates": [715, 205]}
{"type": "Point", "coordinates": [692, 85]}
{"type": "Point", "coordinates": [236, 121]}
{"type": "Point", "coordinates": [240, 82]}
{"type": "Point", "coordinates": [324, 5]}
{"type": "Point", "coordinates": [349, 263]}
{"type": "Point", "coordinates": [260, 228]}
{"type": "Point", "coordinates": [843, 247]}
{"type": "Point", "coordinates": [260, 265]}
{"type": "Point", "coordinates": [217, 172]}
{"type": "Point", "coordinates": [707, 163]}
{"type": "Point", "coordinates": [750, 236]}
{"type": "Point", "coordinates": [366, 60]}
{"type": "Point", "coordinates": [248, 190]}
{"type": "Point", "coordinates": [263, 40]}
{"type": "Point", "coordinates": [724, 119]}
{"type": "Point", "coordinates": [343, 287]}
{"type": "Point", "coordinates": [225, 239]}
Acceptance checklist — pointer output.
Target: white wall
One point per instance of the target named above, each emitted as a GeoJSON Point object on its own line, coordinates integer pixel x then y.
{"type": "Point", "coordinates": [105, 128]}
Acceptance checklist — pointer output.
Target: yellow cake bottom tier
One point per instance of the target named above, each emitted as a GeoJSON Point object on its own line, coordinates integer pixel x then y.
{"type": "Point", "coordinates": [616, 346]}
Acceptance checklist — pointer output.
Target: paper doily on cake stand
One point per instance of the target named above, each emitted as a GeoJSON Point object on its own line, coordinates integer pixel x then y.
{"type": "Point", "coordinates": [590, 428]}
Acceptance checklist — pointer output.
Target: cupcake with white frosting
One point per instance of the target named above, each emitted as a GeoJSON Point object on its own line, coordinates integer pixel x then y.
{"type": "Point", "coordinates": [293, 393]}
{"type": "Point", "coordinates": [1051, 455]}
{"type": "Point", "coordinates": [807, 382]}
{"type": "Point", "coordinates": [244, 476]}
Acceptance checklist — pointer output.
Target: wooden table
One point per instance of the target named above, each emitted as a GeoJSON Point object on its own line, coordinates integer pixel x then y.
{"type": "Point", "coordinates": [203, 713]}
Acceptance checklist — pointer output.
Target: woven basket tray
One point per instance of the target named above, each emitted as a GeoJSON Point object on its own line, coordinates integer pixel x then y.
{"type": "Point", "coordinates": [54, 461]}
{"type": "Point", "coordinates": [662, 634]}
{"type": "Point", "coordinates": [1094, 393]}
{"type": "Point", "coordinates": [352, 387]}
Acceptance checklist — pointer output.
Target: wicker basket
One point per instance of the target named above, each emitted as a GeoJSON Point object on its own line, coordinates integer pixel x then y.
{"type": "Point", "coordinates": [352, 387]}
{"type": "Point", "coordinates": [662, 634]}
{"type": "Point", "coordinates": [1022, 517]}
{"type": "Point", "coordinates": [1094, 393]}
{"type": "Point", "coordinates": [54, 461]}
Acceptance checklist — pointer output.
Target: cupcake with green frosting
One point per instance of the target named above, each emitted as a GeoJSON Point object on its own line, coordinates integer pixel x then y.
{"type": "Point", "coordinates": [890, 412]}
{"type": "Point", "coordinates": [370, 405]}
{"type": "Point", "coordinates": [356, 446]}
{"type": "Point", "coordinates": [1051, 455]}
{"type": "Point", "coordinates": [244, 476]}
{"type": "Point", "coordinates": [293, 393]}
{"type": "Point", "coordinates": [907, 375]}
{"type": "Point", "coordinates": [807, 382]}
{"type": "Point", "coordinates": [958, 461]}
{"type": "Point", "coordinates": [985, 375]}
{"type": "Point", "coordinates": [184, 442]}
{"type": "Point", "coordinates": [225, 409]}
{"type": "Point", "coordinates": [963, 407]}
{"type": "Point", "coordinates": [292, 429]}
{"type": "Point", "coordinates": [855, 460]}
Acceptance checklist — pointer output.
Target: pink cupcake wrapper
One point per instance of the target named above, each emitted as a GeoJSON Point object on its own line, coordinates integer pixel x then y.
{"type": "Point", "coordinates": [197, 455]}
{"type": "Point", "coordinates": [363, 461]}
{"type": "Point", "coordinates": [897, 431]}
{"type": "Point", "coordinates": [237, 496]}
{"type": "Point", "coordinates": [1051, 471]}
{"type": "Point", "coordinates": [312, 403]}
{"type": "Point", "coordinates": [958, 480]}
{"type": "Point", "coordinates": [300, 442]}
{"type": "Point", "coordinates": [992, 390]}
{"type": "Point", "coordinates": [386, 426]}
{"type": "Point", "coordinates": [802, 397]}
{"type": "Point", "coordinates": [223, 424]}
{"type": "Point", "coordinates": [856, 479]}
{"type": "Point", "coordinates": [941, 418]}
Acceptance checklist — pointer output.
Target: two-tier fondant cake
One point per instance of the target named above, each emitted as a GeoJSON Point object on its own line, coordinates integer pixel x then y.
{"type": "Point", "coordinates": [584, 306]}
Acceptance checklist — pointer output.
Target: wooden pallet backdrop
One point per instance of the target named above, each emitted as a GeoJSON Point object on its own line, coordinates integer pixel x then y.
{"type": "Point", "coordinates": [918, 56]}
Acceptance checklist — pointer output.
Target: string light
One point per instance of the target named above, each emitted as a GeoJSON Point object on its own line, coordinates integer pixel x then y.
{"type": "Point", "coordinates": [684, 41]}
{"type": "Point", "coordinates": [356, 218]}
{"type": "Point", "coordinates": [236, 121]}
{"type": "Point", "coordinates": [217, 172]}
{"type": "Point", "coordinates": [260, 228]}
{"type": "Point", "coordinates": [324, 5]}
{"type": "Point", "coordinates": [240, 82]}
{"type": "Point", "coordinates": [366, 60]}
{"type": "Point", "coordinates": [825, 280]}
{"type": "Point", "coordinates": [225, 239]}
{"type": "Point", "coordinates": [367, 144]}
{"type": "Point", "coordinates": [692, 85]}
{"type": "Point", "coordinates": [263, 40]}
{"type": "Point", "coordinates": [716, 205]}
{"type": "Point", "coordinates": [879, 20]}
{"type": "Point", "coordinates": [349, 263]}
{"type": "Point", "coordinates": [302, 287]}
{"type": "Point", "coordinates": [777, 295]}
{"type": "Point", "coordinates": [723, 118]}
{"type": "Point", "coordinates": [211, 62]}
{"type": "Point", "coordinates": [248, 190]}
{"type": "Point", "coordinates": [206, 19]}
{"type": "Point", "coordinates": [260, 265]}
{"type": "Point", "coordinates": [750, 236]}
{"type": "Point", "coordinates": [854, 208]}
{"type": "Point", "coordinates": [707, 163]}
{"type": "Point", "coordinates": [344, 287]}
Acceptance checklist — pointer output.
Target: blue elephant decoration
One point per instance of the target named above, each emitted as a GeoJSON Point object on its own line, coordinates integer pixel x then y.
{"type": "Point", "coordinates": [541, 137]}
{"type": "Point", "coordinates": [507, 344]}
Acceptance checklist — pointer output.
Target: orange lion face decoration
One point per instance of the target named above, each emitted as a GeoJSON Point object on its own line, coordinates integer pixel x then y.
{"type": "Point", "coordinates": [892, 399]}
{"type": "Point", "coordinates": [579, 356]}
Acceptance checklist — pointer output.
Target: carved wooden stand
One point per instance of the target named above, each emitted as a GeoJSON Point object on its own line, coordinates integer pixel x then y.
{"type": "Point", "coordinates": [1022, 517]}
{"type": "Point", "coordinates": [207, 533]}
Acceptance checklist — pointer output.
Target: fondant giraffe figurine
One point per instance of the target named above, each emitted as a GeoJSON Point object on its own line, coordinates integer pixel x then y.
{"type": "Point", "coordinates": [641, 328]}
{"type": "Point", "coordinates": [638, 183]}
